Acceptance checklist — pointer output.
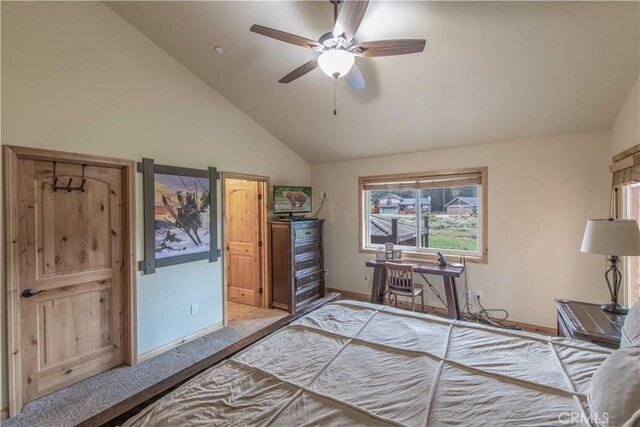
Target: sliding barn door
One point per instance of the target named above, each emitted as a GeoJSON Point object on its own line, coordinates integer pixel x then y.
{"type": "Point", "coordinates": [242, 234]}
{"type": "Point", "coordinates": [71, 274]}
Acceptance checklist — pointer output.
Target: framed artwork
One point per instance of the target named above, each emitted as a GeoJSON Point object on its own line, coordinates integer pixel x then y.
{"type": "Point", "coordinates": [180, 215]}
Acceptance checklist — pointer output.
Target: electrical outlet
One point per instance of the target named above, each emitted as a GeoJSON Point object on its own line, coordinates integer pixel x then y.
{"type": "Point", "coordinates": [194, 308]}
{"type": "Point", "coordinates": [478, 295]}
{"type": "Point", "coordinates": [323, 194]}
{"type": "Point", "coordinates": [326, 272]}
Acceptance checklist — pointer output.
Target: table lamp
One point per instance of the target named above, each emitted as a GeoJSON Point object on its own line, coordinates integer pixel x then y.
{"type": "Point", "coordinates": [615, 238]}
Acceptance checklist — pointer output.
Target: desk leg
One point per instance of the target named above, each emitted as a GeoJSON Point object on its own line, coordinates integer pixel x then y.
{"type": "Point", "coordinates": [378, 286]}
{"type": "Point", "coordinates": [451, 293]}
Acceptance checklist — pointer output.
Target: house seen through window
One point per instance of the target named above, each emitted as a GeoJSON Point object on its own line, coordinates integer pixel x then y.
{"type": "Point", "coordinates": [425, 213]}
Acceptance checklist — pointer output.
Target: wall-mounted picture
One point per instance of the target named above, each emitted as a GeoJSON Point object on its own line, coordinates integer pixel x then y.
{"type": "Point", "coordinates": [182, 215]}
{"type": "Point", "coordinates": [290, 199]}
{"type": "Point", "coordinates": [179, 214]}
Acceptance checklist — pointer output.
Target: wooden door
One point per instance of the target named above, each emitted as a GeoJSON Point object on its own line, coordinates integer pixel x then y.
{"type": "Point", "coordinates": [71, 254]}
{"type": "Point", "coordinates": [242, 235]}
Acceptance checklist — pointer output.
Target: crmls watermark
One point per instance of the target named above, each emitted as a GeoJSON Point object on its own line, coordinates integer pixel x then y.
{"type": "Point", "coordinates": [569, 418]}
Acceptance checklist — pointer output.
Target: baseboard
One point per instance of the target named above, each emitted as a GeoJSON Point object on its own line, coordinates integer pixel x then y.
{"type": "Point", "coordinates": [173, 344]}
{"type": "Point", "coordinates": [4, 414]}
{"type": "Point", "coordinates": [350, 295]}
{"type": "Point", "coordinates": [443, 312]}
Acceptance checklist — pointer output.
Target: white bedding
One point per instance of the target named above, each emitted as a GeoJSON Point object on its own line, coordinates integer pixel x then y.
{"type": "Point", "coordinates": [358, 364]}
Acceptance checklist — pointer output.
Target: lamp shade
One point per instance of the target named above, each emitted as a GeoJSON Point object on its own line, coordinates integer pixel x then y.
{"type": "Point", "coordinates": [619, 237]}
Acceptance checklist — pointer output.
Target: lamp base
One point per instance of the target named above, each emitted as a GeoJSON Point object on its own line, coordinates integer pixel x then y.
{"type": "Point", "coordinates": [615, 308]}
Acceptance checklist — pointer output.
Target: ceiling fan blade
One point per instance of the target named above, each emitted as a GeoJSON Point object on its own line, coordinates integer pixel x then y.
{"type": "Point", "coordinates": [354, 78]}
{"type": "Point", "coordinates": [391, 47]}
{"type": "Point", "coordinates": [285, 37]}
{"type": "Point", "coordinates": [349, 18]}
{"type": "Point", "coordinates": [300, 71]}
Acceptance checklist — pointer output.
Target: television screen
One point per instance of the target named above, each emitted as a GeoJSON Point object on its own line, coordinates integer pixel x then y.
{"type": "Point", "coordinates": [291, 199]}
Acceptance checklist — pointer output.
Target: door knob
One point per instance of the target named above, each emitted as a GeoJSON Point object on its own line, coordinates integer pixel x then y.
{"type": "Point", "coordinates": [28, 293]}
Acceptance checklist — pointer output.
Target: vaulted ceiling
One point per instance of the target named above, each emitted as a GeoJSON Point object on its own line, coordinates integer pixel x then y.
{"type": "Point", "coordinates": [491, 71]}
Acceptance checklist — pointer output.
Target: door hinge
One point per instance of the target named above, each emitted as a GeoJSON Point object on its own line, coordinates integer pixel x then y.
{"type": "Point", "coordinates": [259, 196]}
{"type": "Point", "coordinates": [260, 243]}
{"type": "Point", "coordinates": [260, 291]}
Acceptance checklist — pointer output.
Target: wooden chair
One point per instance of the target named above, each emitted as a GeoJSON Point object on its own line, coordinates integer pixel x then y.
{"type": "Point", "coordinates": [400, 282]}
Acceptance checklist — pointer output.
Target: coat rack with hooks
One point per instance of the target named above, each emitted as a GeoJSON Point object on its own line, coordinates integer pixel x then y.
{"type": "Point", "coordinates": [68, 187]}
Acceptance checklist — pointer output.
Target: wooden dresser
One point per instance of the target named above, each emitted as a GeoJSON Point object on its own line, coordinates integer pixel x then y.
{"type": "Point", "coordinates": [297, 263]}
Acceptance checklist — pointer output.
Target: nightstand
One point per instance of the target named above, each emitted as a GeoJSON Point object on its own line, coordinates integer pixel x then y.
{"type": "Point", "coordinates": [588, 322]}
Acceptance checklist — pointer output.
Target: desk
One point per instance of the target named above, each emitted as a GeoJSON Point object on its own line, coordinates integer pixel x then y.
{"type": "Point", "coordinates": [448, 274]}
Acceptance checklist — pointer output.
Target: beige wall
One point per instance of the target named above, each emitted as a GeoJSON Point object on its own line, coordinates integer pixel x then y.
{"type": "Point", "coordinates": [76, 77]}
{"type": "Point", "coordinates": [625, 132]}
{"type": "Point", "coordinates": [557, 184]}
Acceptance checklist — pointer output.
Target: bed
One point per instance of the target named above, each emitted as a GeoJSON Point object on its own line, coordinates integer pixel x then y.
{"type": "Point", "coordinates": [358, 364]}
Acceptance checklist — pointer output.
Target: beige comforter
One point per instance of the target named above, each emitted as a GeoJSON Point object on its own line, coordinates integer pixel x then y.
{"type": "Point", "coordinates": [358, 364]}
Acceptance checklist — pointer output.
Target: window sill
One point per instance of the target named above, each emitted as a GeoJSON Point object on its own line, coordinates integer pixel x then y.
{"type": "Point", "coordinates": [420, 256]}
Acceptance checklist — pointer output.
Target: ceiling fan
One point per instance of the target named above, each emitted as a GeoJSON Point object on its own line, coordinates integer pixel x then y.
{"type": "Point", "coordinates": [338, 48]}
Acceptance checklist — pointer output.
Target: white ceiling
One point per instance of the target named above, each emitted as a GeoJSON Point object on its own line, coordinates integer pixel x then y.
{"type": "Point", "coordinates": [491, 71]}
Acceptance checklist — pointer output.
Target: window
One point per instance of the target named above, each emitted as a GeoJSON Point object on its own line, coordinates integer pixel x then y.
{"type": "Point", "coordinates": [626, 177]}
{"type": "Point", "coordinates": [423, 213]}
{"type": "Point", "coordinates": [631, 205]}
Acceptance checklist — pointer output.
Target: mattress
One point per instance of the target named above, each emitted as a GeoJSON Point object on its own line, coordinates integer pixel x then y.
{"type": "Point", "coordinates": [359, 364]}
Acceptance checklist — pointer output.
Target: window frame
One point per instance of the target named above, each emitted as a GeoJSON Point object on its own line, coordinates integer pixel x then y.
{"type": "Point", "coordinates": [625, 170]}
{"type": "Point", "coordinates": [631, 265]}
{"type": "Point", "coordinates": [480, 257]}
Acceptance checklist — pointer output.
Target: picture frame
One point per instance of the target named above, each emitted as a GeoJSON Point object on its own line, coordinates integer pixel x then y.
{"type": "Point", "coordinates": [180, 215]}
{"type": "Point", "coordinates": [397, 255]}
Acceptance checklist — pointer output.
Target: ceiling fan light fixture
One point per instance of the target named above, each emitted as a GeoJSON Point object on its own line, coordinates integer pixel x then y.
{"type": "Point", "coordinates": [336, 63]}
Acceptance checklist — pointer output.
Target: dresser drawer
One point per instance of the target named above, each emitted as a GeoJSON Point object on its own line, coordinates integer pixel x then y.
{"type": "Point", "coordinates": [307, 293]}
{"type": "Point", "coordinates": [307, 247]}
{"type": "Point", "coordinates": [311, 261]}
{"type": "Point", "coordinates": [305, 232]}
{"type": "Point", "coordinates": [308, 279]}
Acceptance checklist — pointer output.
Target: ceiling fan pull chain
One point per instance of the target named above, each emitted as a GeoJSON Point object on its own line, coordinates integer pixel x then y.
{"type": "Point", "coordinates": [335, 86]}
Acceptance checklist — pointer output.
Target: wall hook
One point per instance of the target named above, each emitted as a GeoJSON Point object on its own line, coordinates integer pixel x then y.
{"type": "Point", "coordinates": [68, 187]}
